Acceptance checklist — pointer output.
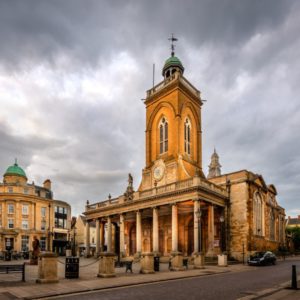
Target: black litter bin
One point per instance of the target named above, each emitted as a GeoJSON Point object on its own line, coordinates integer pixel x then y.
{"type": "Point", "coordinates": [72, 267]}
{"type": "Point", "coordinates": [156, 263]}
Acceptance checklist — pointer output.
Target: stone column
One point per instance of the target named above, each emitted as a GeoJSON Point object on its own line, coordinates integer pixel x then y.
{"type": "Point", "coordinates": [198, 255]}
{"type": "Point", "coordinates": [101, 237]}
{"type": "Point", "coordinates": [122, 236]}
{"type": "Point", "coordinates": [155, 231]}
{"type": "Point", "coordinates": [109, 235]}
{"type": "Point", "coordinates": [176, 257]}
{"type": "Point", "coordinates": [138, 233]}
{"type": "Point", "coordinates": [87, 239]}
{"type": "Point", "coordinates": [174, 228]}
{"type": "Point", "coordinates": [211, 230]}
{"type": "Point", "coordinates": [196, 227]}
{"type": "Point", "coordinates": [97, 238]}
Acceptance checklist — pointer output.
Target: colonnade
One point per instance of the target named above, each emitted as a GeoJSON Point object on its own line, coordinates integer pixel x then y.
{"type": "Point", "coordinates": [155, 231]}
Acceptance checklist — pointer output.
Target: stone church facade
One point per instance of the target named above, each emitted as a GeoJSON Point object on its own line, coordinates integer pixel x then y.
{"type": "Point", "coordinates": [176, 209]}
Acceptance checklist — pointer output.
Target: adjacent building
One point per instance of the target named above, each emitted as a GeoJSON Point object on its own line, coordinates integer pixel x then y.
{"type": "Point", "coordinates": [28, 210]}
{"type": "Point", "coordinates": [176, 209]}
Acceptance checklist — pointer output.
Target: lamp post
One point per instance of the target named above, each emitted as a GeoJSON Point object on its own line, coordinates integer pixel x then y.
{"type": "Point", "coordinates": [49, 233]}
{"type": "Point", "coordinates": [198, 215]}
{"type": "Point", "coordinates": [222, 234]}
{"type": "Point", "coordinates": [222, 259]}
{"type": "Point", "coordinates": [74, 241]}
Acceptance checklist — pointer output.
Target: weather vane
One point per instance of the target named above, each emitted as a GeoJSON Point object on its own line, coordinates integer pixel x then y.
{"type": "Point", "coordinates": [172, 39]}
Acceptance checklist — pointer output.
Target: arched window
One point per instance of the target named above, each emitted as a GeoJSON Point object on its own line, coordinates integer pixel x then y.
{"type": "Point", "coordinates": [163, 135]}
{"type": "Point", "coordinates": [257, 214]}
{"type": "Point", "coordinates": [187, 136]}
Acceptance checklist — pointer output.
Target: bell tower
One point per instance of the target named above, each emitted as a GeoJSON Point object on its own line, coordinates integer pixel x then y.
{"type": "Point", "coordinates": [173, 128]}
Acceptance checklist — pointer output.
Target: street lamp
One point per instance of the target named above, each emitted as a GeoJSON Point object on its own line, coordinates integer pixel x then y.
{"type": "Point", "coordinates": [198, 214]}
{"type": "Point", "coordinates": [222, 233]}
{"type": "Point", "coordinates": [49, 233]}
{"type": "Point", "coordinates": [74, 241]}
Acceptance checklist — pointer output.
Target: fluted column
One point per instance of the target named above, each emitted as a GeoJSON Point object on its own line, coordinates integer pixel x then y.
{"type": "Point", "coordinates": [122, 236]}
{"type": "Point", "coordinates": [174, 228]}
{"type": "Point", "coordinates": [138, 232]}
{"type": "Point", "coordinates": [155, 230]}
{"type": "Point", "coordinates": [109, 234]}
{"type": "Point", "coordinates": [196, 226]}
{"type": "Point", "coordinates": [87, 239]}
{"type": "Point", "coordinates": [97, 237]}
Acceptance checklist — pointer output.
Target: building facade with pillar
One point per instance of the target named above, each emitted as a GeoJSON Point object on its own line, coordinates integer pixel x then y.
{"type": "Point", "coordinates": [176, 209]}
{"type": "Point", "coordinates": [28, 210]}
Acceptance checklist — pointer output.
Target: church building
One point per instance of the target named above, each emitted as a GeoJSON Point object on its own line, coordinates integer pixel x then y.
{"type": "Point", "coordinates": [177, 210]}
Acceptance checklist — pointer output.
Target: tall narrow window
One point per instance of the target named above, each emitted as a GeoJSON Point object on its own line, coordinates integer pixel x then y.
{"type": "Point", "coordinates": [187, 136]}
{"type": "Point", "coordinates": [257, 214]}
{"type": "Point", "coordinates": [163, 136]}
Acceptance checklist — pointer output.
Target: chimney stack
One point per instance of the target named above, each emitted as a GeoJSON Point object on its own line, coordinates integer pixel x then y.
{"type": "Point", "coordinates": [47, 184]}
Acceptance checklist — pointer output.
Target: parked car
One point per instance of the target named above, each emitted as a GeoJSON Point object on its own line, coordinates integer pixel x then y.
{"type": "Point", "coordinates": [262, 259]}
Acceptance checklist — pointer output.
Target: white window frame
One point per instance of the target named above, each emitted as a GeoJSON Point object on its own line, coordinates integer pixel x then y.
{"type": "Point", "coordinates": [25, 224]}
{"type": "Point", "coordinates": [187, 136]}
{"type": "Point", "coordinates": [25, 209]}
{"type": "Point", "coordinates": [10, 223]}
{"type": "Point", "coordinates": [163, 130]}
{"type": "Point", "coordinates": [43, 211]}
{"type": "Point", "coordinates": [10, 208]}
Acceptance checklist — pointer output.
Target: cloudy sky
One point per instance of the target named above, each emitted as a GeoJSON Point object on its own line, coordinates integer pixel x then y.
{"type": "Point", "coordinates": [73, 73]}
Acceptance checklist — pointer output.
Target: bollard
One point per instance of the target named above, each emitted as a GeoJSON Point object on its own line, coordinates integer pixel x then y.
{"type": "Point", "coordinates": [294, 278]}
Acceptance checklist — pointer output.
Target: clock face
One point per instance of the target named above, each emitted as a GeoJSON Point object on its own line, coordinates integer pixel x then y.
{"type": "Point", "coordinates": [158, 172]}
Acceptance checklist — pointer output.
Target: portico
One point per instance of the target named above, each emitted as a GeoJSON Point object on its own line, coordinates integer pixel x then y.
{"type": "Point", "coordinates": [161, 221]}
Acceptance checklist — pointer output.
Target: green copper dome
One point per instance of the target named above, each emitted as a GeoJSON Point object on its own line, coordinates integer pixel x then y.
{"type": "Point", "coordinates": [173, 61]}
{"type": "Point", "coordinates": [15, 170]}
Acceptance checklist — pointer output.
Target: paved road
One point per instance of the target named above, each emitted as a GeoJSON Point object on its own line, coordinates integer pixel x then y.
{"type": "Point", "coordinates": [223, 286]}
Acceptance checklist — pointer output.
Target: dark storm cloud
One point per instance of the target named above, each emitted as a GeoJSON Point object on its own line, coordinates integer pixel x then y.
{"type": "Point", "coordinates": [243, 55]}
{"type": "Point", "coordinates": [91, 30]}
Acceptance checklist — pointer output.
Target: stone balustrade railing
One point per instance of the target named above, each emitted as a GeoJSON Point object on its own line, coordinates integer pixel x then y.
{"type": "Point", "coordinates": [176, 186]}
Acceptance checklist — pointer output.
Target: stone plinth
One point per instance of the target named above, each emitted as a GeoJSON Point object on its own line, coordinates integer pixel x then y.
{"type": "Point", "coordinates": [106, 264]}
{"type": "Point", "coordinates": [47, 268]}
{"type": "Point", "coordinates": [68, 252]}
{"type": "Point", "coordinates": [198, 260]}
{"type": "Point", "coordinates": [222, 260]}
{"type": "Point", "coordinates": [147, 263]}
{"type": "Point", "coordinates": [176, 261]}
